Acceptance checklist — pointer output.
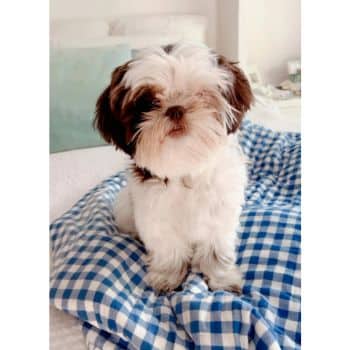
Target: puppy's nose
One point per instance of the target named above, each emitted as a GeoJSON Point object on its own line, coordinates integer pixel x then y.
{"type": "Point", "coordinates": [175, 112]}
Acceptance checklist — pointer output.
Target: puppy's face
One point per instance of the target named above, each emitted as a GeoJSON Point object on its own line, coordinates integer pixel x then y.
{"type": "Point", "coordinates": [172, 108]}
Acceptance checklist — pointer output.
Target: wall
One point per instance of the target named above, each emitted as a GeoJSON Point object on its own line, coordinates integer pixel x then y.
{"type": "Point", "coordinates": [227, 28]}
{"type": "Point", "coordinates": [60, 9]}
{"type": "Point", "coordinates": [269, 35]}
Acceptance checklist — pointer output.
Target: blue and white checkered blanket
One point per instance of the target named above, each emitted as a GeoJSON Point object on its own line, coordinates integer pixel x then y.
{"type": "Point", "coordinates": [98, 273]}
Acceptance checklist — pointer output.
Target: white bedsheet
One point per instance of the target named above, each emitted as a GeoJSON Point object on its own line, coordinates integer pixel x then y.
{"type": "Point", "coordinates": [73, 173]}
{"type": "Point", "coordinates": [65, 332]}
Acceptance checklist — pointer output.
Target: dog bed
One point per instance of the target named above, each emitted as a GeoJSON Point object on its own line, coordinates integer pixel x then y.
{"type": "Point", "coordinates": [98, 272]}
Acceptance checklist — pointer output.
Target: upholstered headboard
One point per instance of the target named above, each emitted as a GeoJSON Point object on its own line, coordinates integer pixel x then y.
{"type": "Point", "coordinates": [152, 16]}
{"type": "Point", "coordinates": [137, 31]}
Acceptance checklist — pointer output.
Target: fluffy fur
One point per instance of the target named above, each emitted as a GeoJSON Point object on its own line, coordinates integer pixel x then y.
{"type": "Point", "coordinates": [175, 111]}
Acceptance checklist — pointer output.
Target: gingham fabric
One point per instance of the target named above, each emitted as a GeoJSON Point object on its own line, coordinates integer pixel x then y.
{"type": "Point", "coordinates": [98, 273]}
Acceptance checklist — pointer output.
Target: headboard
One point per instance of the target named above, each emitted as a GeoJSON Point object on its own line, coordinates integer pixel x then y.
{"type": "Point", "coordinates": [137, 31]}
{"type": "Point", "coordinates": [162, 19]}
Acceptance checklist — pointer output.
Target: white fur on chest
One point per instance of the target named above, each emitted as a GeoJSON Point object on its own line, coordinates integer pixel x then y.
{"type": "Point", "coordinates": [193, 208]}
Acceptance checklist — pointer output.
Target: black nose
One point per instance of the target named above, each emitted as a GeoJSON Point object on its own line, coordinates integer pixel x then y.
{"type": "Point", "coordinates": [175, 112]}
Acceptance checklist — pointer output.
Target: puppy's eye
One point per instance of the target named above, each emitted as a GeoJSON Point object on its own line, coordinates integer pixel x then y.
{"type": "Point", "coordinates": [155, 103]}
{"type": "Point", "coordinates": [146, 104]}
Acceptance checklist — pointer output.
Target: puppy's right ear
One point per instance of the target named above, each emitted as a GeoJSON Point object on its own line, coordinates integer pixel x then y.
{"type": "Point", "coordinates": [110, 115]}
{"type": "Point", "coordinates": [104, 121]}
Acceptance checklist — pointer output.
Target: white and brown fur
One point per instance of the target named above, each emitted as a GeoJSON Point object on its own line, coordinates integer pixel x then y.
{"type": "Point", "coordinates": [175, 111]}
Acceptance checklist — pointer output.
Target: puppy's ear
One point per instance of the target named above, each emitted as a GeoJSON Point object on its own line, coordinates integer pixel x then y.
{"type": "Point", "coordinates": [104, 120]}
{"type": "Point", "coordinates": [239, 94]}
{"type": "Point", "coordinates": [110, 117]}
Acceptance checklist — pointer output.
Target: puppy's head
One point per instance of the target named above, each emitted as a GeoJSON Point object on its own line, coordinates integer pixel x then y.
{"type": "Point", "coordinates": [172, 108]}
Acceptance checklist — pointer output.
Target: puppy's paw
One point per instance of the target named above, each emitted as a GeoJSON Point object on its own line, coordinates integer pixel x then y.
{"type": "Point", "coordinates": [230, 280]}
{"type": "Point", "coordinates": [164, 281]}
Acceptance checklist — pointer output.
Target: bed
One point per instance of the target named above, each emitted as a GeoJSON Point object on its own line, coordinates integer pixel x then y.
{"type": "Point", "coordinates": [70, 171]}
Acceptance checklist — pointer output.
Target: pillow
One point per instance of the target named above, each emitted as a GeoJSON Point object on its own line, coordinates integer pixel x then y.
{"type": "Point", "coordinates": [78, 28]}
{"type": "Point", "coordinates": [142, 41]}
{"type": "Point", "coordinates": [78, 43]}
{"type": "Point", "coordinates": [135, 41]}
{"type": "Point", "coordinates": [190, 27]}
{"type": "Point", "coordinates": [77, 77]}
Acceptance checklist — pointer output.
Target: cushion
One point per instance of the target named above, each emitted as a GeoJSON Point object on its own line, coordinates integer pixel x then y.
{"type": "Point", "coordinates": [184, 27]}
{"type": "Point", "coordinates": [98, 272]}
{"type": "Point", "coordinates": [77, 78]}
{"type": "Point", "coordinates": [135, 41]}
{"type": "Point", "coordinates": [78, 43]}
{"type": "Point", "coordinates": [78, 28]}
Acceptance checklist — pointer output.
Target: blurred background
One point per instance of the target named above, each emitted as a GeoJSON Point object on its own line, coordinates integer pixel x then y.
{"type": "Point", "coordinates": [89, 38]}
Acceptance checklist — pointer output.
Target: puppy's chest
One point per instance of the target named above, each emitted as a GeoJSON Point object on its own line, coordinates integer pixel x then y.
{"type": "Point", "coordinates": [183, 205]}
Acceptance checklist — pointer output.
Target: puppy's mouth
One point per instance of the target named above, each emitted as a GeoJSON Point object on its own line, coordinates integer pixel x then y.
{"type": "Point", "coordinates": [177, 130]}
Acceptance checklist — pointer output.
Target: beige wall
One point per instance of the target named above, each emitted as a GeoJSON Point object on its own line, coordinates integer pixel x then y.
{"type": "Point", "coordinates": [227, 28]}
{"type": "Point", "coordinates": [269, 35]}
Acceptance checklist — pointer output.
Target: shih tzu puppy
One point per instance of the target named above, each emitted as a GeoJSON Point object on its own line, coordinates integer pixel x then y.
{"type": "Point", "coordinates": [176, 110]}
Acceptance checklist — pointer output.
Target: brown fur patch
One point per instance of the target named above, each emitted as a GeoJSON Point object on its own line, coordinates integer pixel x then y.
{"type": "Point", "coordinates": [119, 111]}
{"type": "Point", "coordinates": [144, 99]}
{"type": "Point", "coordinates": [168, 48]}
{"type": "Point", "coordinates": [109, 117]}
{"type": "Point", "coordinates": [240, 95]}
{"type": "Point", "coordinates": [143, 175]}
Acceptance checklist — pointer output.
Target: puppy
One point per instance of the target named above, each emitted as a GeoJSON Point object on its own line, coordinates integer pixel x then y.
{"type": "Point", "coordinates": [175, 111]}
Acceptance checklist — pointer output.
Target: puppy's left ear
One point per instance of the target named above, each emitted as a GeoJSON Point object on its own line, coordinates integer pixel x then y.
{"type": "Point", "coordinates": [239, 94]}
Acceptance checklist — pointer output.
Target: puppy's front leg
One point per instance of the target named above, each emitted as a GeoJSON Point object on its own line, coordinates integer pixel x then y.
{"type": "Point", "coordinates": [124, 213]}
{"type": "Point", "coordinates": [168, 261]}
{"type": "Point", "coordinates": [216, 260]}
